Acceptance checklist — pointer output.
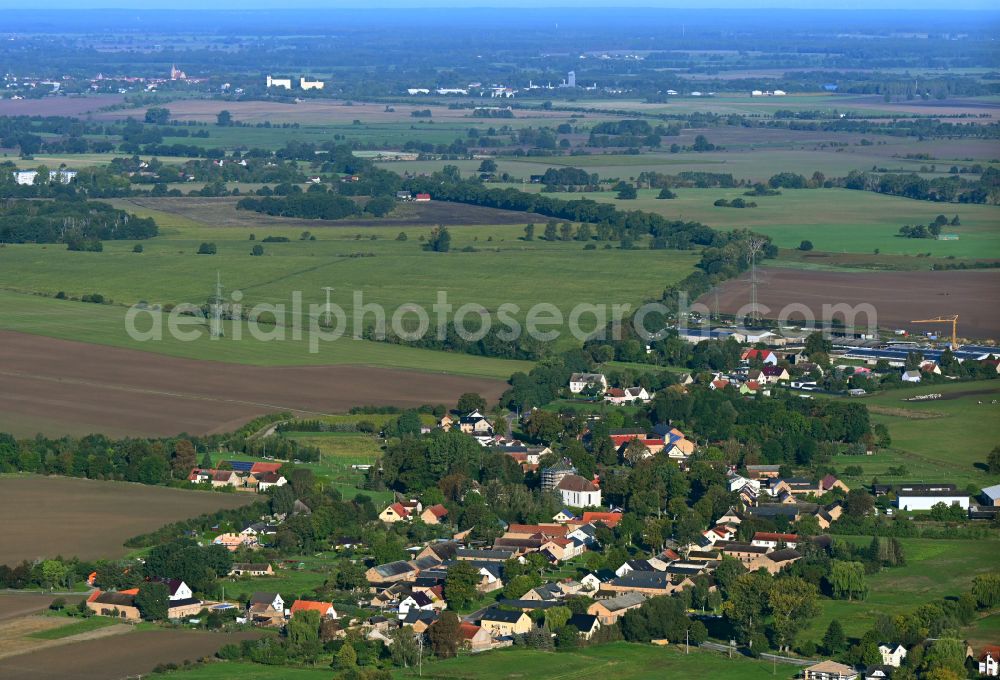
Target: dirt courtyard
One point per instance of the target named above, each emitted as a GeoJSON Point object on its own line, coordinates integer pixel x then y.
{"type": "Point", "coordinates": [61, 387]}
{"type": "Point", "coordinates": [898, 297]}
{"type": "Point", "coordinates": [89, 519]}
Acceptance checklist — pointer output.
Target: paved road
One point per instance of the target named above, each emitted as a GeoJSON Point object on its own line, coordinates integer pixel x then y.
{"type": "Point", "coordinates": [769, 657]}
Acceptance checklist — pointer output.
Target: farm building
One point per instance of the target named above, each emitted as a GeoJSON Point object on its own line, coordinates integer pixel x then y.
{"type": "Point", "coordinates": [925, 500]}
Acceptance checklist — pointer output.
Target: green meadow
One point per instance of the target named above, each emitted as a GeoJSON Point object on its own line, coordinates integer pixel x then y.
{"type": "Point", "coordinates": [935, 568]}
{"type": "Point", "coordinates": [935, 440]}
{"type": "Point", "coordinates": [368, 264]}
{"type": "Point", "coordinates": [835, 220]}
{"type": "Point", "coordinates": [368, 261]}
{"type": "Point", "coordinates": [620, 660]}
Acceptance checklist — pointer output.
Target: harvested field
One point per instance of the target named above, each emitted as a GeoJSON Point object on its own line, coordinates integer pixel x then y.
{"type": "Point", "coordinates": [17, 604]}
{"type": "Point", "coordinates": [101, 516]}
{"type": "Point", "coordinates": [111, 658]}
{"type": "Point", "coordinates": [56, 106]}
{"type": "Point", "coordinates": [222, 212]}
{"type": "Point", "coordinates": [29, 633]}
{"type": "Point", "coordinates": [898, 297]}
{"type": "Point", "coordinates": [59, 387]}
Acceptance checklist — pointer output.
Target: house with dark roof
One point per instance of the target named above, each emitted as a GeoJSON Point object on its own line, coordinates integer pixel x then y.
{"type": "Point", "coordinates": [502, 623]}
{"type": "Point", "coordinates": [587, 624]}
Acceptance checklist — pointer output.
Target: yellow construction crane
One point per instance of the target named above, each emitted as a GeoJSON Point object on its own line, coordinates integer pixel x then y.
{"type": "Point", "coordinates": [953, 320]}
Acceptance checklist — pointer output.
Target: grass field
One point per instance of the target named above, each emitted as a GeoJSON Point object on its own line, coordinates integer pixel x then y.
{"type": "Point", "coordinates": [339, 452]}
{"type": "Point", "coordinates": [943, 440]}
{"type": "Point", "coordinates": [934, 569]}
{"type": "Point", "coordinates": [618, 660]}
{"type": "Point", "coordinates": [397, 272]}
{"type": "Point", "coordinates": [75, 628]}
{"type": "Point", "coordinates": [985, 631]}
{"type": "Point", "coordinates": [835, 220]}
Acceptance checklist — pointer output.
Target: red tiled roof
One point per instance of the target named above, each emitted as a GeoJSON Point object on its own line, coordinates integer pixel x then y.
{"type": "Point", "coordinates": [767, 536]}
{"type": "Point", "coordinates": [311, 605]}
{"type": "Point", "coordinates": [531, 529]}
{"type": "Point", "coordinates": [438, 510]}
{"type": "Point", "coordinates": [400, 510]}
{"type": "Point", "coordinates": [468, 630]}
{"type": "Point", "coordinates": [610, 519]}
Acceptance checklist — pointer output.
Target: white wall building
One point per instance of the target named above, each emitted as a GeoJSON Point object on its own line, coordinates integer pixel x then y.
{"type": "Point", "coordinates": [279, 82]}
{"type": "Point", "coordinates": [925, 500]}
{"type": "Point", "coordinates": [307, 84]}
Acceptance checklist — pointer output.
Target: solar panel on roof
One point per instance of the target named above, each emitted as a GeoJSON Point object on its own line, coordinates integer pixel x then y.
{"type": "Point", "coordinates": [240, 465]}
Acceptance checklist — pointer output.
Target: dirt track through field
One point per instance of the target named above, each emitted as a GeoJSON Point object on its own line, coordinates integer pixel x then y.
{"type": "Point", "coordinates": [898, 297]}
{"type": "Point", "coordinates": [59, 387]}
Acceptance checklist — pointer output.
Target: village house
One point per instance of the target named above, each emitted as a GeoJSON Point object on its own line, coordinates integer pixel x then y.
{"type": "Point", "coordinates": [587, 624]}
{"type": "Point", "coordinates": [628, 395]}
{"type": "Point", "coordinates": [326, 609]}
{"type": "Point", "coordinates": [578, 492]}
{"type": "Point", "coordinates": [501, 623]}
{"type": "Point", "coordinates": [989, 661]}
{"type": "Point", "coordinates": [610, 610]}
{"type": "Point", "coordinates": [395, 512]}
{"type": "Point", "coordinates": [892, 654]}
{"type": "Point", "coordinates": [217, 478]}
{"type": "Point", "coordinates": [580, 382]}
{"type": "Point", "coordinates": [775, 374]}
{"type": "Point", "coordinates": [266, 609]}
{"type": "Point", "coordinates": [177, 590]}
{"type": "Point", "coordinates": [475, 424]}
{"type": "Point", "coordinates": [420, 620]}
{"type": "Point", "coordinates": [650, 583]}
{"type": "Point", "coordinates": [434, 514]}
{"type": "Point", "coordinates": [474, 638]}
{"type": "Point", "coordinates": [251, 569]}
{"type": "Point", "coordinates": [829, 483]}
{"type": "Point", "coordinates": [765, 356]}
{"type": "Point", "coordinates": [773, 541]}
{"type": "Point", "coordinates": [232, 541]}
{"type": "Point", "coordinates": [763, 471]}
{"type": "Point", "coordinates": [829, 670]}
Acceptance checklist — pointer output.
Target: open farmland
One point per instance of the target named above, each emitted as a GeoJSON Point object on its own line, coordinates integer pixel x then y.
{"type": "Point", "coordinates": [105, 658]}
{"type": "Point", "coordinates": [898, 297]}
{"type": "Point", "coordinates": [924, 434]}
{"type": "Point", "coordinates": [58, 387]}
{"type": "Point", "coordinates": [100, 518]}
{"type": "Point", "coordinates": [14, 605]}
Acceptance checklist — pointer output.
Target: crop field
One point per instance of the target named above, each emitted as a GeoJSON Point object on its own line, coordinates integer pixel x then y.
{"type": "Point", "coordinates": [59, 387]}
{"type": "Point", "coordinates": [925, 435]}
{"type": "Point", "coordinates": [934, 568]}
{"type": "Point", "coordinates": [897, 297]}
{"type": "Point", "coordinates": [103, 658]}
{"type": "Point", "coordinates": [101, 516]}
